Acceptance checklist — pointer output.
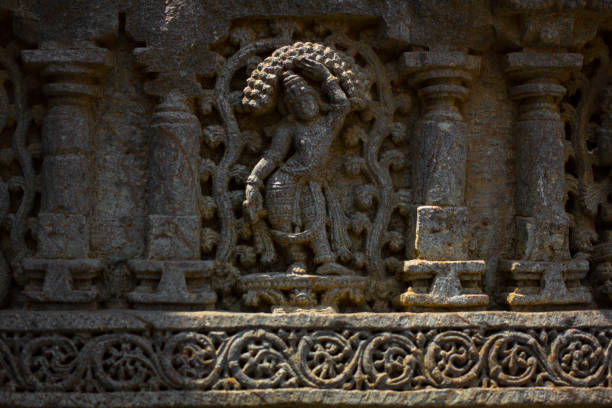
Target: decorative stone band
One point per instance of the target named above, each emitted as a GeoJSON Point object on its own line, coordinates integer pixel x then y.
{"type": "Point", "coordinates": [450, 359]}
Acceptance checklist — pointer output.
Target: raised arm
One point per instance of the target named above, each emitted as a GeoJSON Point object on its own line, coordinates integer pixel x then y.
{"type": "Point", "coordinates": [330, 85]}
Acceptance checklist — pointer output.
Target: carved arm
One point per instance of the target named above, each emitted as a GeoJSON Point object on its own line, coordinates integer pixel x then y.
{"type": "Point", "coordinates": [281, 142]}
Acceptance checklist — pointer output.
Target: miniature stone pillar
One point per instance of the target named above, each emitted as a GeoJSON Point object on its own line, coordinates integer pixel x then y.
{"type": "Point", "coordinates": [62, 273]}
{"type": "Point", "coordinates": [173, 274]}
{"type": "Point", "coordinates": [441, 276]}
{"type": "Point", "coordinates": [544, 273]}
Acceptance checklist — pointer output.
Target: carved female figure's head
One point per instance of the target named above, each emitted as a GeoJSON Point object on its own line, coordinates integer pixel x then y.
{"type": "Point", "coordinates": [300, 98]}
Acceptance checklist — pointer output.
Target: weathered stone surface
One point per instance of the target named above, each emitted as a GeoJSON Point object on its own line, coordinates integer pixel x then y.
{"type": "Point", "coordinates": [323, 203]}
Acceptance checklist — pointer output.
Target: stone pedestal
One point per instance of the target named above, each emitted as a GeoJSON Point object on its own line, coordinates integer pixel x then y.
{"type": "Point", "coordinates": [542, 226]}
{"type": "Point", "coordinates": [437, 280]}
{"type": "Point", "coordinates": [173, 221]}
{"type": "Point", "coordinates": [61, 272]}
{"type": "Point", "coordinates": [287, 291]}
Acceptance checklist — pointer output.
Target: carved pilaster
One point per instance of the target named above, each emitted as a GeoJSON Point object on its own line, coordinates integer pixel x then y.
{"type": "Point", "coordinates": [441, 276]}
{"type": "Point", "coordinates": [62, 273]}
{"type": "Point", "coordinates": [173, 274]}
{"type": "Point", "coordinates": [544, 273]}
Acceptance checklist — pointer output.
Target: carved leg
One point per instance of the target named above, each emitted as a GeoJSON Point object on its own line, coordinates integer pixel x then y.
{"type": "Point", "coordinates": [321, 248]}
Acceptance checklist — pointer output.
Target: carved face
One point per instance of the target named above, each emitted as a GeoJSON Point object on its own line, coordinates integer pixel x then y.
{"type": "Point", "coordinates": [303, 102]}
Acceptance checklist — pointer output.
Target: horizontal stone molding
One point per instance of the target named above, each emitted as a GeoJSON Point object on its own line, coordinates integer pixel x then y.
{"type": "Point", "coordinates": [476, 398]}
{"type": "Point", "coordinates": [206, 358]}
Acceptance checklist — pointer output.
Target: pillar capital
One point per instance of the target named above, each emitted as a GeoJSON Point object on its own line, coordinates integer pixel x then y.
{"type": "Point", "coordinates": [442, 79]}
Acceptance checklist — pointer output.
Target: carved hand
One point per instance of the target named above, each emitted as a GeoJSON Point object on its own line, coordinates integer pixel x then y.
{"type": "Point", "coordinates": [313, 69]}
{"type": "Point", "coordinates": [253, 205]}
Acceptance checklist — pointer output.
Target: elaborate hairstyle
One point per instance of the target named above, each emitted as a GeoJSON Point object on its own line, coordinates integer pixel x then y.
{"type": "Point", "coordinates": [261, 91]}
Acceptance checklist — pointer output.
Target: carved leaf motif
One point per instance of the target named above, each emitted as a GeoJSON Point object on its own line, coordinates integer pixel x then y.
{"type": "Point", "coordinates": [354, 165]}
{"type": "Point", "coordinates": [353, 136]}
{"type": "Point", "coordinates": [190, 360]}
{"type": "Point", "coordinates": [402, 201]}
{"type": "Point", "coordinates": [246, 255]}
{"type": "Point", "coordinates": [53, 363]}
{"type": "Point", "coordinates": [206, 102]}
{"type": "Point", "coordinates": [395, 240]}
{"type": "Point", "coordinates": [452, 360]}
{"type": "Point", "coordinates": [257, 359]}
{"type": "Point", "coordinates": [208, 239]}
{"type": "Point", "coordinates": [578, 357]}
{"type": "Point", "coordinates": [125, 362]}
{"type": "Point", "coordinates": [213, 135]}
{"type": "Point", "coordinates": [398, 132]}
{"type": "Point", "coordinates": [393, 158]}
{"type": "Point", "coordinates": [364, 196]}
{"type": "Point", "coordinates": [208, 207]}
{"type": "Point", "coordinates": [326, 358]}
{"type": "Point", "coordinates": [207, 168]}
{"type": "Point", "coordinates": [391, 361]}
{"type": "Point", "coordinates": [514, 359]}
{"type": "Point", "coordinates": [359, 222]}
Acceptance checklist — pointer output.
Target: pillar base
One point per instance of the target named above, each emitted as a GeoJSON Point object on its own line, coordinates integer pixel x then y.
{"type": "Point", "coordinates": [455, 284]}
{"type": "Point", "coordinates": [290, 291]}
{"type": "Point", "coordinates": [540, 283]}
{"type": "Point", "coordinates": [172, 284]}
{"type": "Point", "coordinates": [62, 281]}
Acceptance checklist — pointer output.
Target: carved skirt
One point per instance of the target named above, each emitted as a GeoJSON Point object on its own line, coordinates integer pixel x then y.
{"type": "Point", "coordinates": [291, 202]}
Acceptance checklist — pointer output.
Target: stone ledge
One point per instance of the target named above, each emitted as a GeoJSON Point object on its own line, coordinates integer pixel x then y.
{"type": "Point", "coordinates": [128, 320]}
{"type": "Point", "coordinates": [449, 359]}
{"type": "Point", "coordinates": [472, 398]}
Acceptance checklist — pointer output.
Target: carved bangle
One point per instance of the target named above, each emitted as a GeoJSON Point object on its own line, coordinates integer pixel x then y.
{"type": "Point", "coordinates": [255, 181]}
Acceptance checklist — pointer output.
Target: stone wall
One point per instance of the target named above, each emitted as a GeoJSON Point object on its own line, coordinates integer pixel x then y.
{"type": "Point", "coordinates": [323, 203]}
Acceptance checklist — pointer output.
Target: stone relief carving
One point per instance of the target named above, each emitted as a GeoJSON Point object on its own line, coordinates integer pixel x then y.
{"type": "Point", "coordinates": [313, 214]}
{"type": "Point", "coordinates": [19, 184]}
{"type": "Point", "coordinates": [298, 173]}
{"type": "Point", "coordinates": [587, 165]}
{"type": "Point", "coordinates": [318, 165]}
{"type": "Point", "coordinates": [316, 358]}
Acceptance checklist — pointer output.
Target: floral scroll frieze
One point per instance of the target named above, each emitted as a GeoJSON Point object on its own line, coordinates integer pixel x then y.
{"type": "Point", "coordinates": [305, 358]}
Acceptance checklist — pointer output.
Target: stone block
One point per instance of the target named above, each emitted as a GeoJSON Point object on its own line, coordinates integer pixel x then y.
{"type": "Point", "coordinates": [541, 241]}
{"type": "Point", "coordinates": [173, 237]}
{"type": "Point", "coordinates": [441, 233]}
{"type": "Point", "coordinates": [62, 236]}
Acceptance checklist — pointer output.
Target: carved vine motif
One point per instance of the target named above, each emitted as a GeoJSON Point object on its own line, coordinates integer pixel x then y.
{"type": "Point", "coordinates": [303, 194]}
{"type": "Point", "coordinates": [18, 186]}
{"type": "Point", "coordinates": [588, 167]}
{"type": "Point", "coordinates": [315, 358]}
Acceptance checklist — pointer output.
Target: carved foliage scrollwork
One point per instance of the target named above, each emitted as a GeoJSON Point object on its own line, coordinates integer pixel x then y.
{"type": "Point", "coordinates": [18, 184]}
{"type": "Point", "coordinates": [363, 199]}
{"type": "Point", "coordinates": [323, 359]}
{"type": "Point", "coordinates": [588, 167]}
